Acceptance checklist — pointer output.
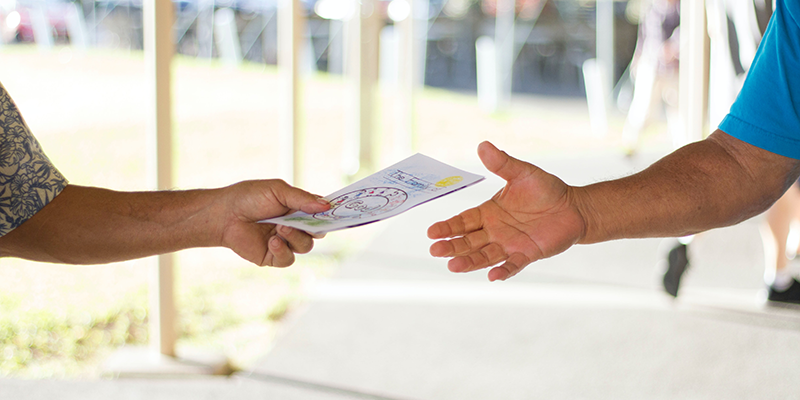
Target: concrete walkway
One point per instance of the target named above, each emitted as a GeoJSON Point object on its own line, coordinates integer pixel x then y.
{"type": "Point", "coordinates": [592, 323]}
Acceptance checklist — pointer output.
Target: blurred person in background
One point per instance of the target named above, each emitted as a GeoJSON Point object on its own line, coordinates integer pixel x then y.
{"type": "Point", "coordinates": [736, 28]}
{"type": "Point", "coordinates": [44, 218]}
{"type": "Point", "coordinates": [739, 171]}
{"type": "Point", "coordinates": [782, 285]}
{"type": "Point", "coordinates": [654, 70]}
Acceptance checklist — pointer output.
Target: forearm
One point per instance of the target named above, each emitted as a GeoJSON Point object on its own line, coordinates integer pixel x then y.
{"type": "Point", "coordinates": [716, 182]}
{"type": "Point", "coordinates": [85, 225]}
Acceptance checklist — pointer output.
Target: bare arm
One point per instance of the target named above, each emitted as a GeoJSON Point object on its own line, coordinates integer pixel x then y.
{"type": "Point", "coordinates": [85, 225]}
{"type": "Point", "coordinates": [716, 182]}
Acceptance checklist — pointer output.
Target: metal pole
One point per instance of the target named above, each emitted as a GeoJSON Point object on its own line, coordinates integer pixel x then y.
{"type": "Point", "coordinates": [361, 70]}
{"type": "Point", "coordinates": [693, 83]}
{"type": "Point", "coordinates": [403, 138]}
{"type": "Point", "coordinates": [605, 43]}
{"type": "Point", "coordinates": [504, 50]}
{"type": "Point", "coordinates": [335, 55]}
{"type": "Point", "coordinates": [159, 48]}
{"type": "Point", "coordinates": [290, 38]}
{"type": "Point", "coordinates": [370, 32]}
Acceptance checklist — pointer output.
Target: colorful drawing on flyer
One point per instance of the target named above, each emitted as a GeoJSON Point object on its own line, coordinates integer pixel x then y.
{"type": "Point", "coordinates": [411, 181]}
{"type": "Point", "coordinates": [308, 221]}
{"type": "Point", "coordinates": [364, 203]}
{"type": "Point", "coordinates": [449, 181]}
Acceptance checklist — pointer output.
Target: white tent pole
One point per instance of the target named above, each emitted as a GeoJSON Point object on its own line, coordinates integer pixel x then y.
{"type": "Point", "coordinates": [290, 37]}
{"type": "Point", "coordinates": [605, 44]}
{"type": "Point", "coordinates": [693, 85]}
{"type": "Point", "coordinates": [403, 138]}
{"type": "Point", "coordinates": [159, 47]}
{"type": "Point", "coordinates": [361, 71]}
{"type": "Point", "coordinates": [504, 50]}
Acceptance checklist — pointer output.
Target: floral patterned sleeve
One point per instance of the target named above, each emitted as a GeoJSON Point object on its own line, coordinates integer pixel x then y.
{"type": "Point", "coordinates": [28, 180]}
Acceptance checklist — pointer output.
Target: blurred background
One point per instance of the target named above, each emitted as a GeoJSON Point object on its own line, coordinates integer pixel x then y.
{"type": "Point", "coordinates": [77, 72]}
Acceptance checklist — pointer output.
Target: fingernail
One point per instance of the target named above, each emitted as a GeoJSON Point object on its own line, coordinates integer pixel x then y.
{"type": "Point", "coordinates": [274, 242]}
{"type": "Point", "coordinates": [284, 229]}
{"type": "Point", "coordinates": [322, 201]}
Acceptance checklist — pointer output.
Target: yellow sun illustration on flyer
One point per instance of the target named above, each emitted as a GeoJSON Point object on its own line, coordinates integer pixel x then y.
{"type": "Point", "coordinates": [449, 181]}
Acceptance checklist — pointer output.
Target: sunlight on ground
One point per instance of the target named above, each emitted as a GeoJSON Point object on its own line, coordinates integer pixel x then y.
{"type": "Point", "coordinates": [87, 110]}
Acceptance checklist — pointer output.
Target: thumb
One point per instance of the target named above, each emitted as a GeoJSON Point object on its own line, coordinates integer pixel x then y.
{"type": "Point", "coordinates": [500, 163]}
{"type": "Point", "coordinates": [298, 199]}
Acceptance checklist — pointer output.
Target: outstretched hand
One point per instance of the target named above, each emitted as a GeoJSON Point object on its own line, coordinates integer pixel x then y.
{"type": "Point", "coordinates": [533, 217]}
{"type": "Point", "coordinates": [267, 244]}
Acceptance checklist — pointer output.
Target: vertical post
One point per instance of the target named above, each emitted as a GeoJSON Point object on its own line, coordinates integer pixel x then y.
{"type": "Point", "coordinates": [42, 30]}
{"type": "Point", "coordinates": [370, 34]}
{"type": "Point", "coordinates": [504, 49]}
{"type": "Point", "coordinates": [227, 37]}
{"type": "Point", "coordinates": [605, 44]}
{"type": "Point", "coordinates": [76, 26]}
{"type": "Point", "coordinates": [352, 70]}
{"type": "Point", "coordinates": [362, 66]}
{"type": "Point", "coordinates": [693, 85]}
{"type": "Point", "coordinates": [290, 31]}
{"type": "Point", "coordinates": [335, 51]}
{"type": "Point", "coordinates": [486, 74]}
{"type": "Point", "coordinates": [420, 10]}
{"type": "Point", "coordinates": [403, 137]}
{"type": "Point", "coordinates": [159, 47]}
{"type": "Point", "coordinates": [93, 31]}
{"type": "Point", "coordinates": [205, 28]}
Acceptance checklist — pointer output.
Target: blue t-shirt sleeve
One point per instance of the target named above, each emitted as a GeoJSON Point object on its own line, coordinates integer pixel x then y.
{"type": "Point", "coordinates": [766, 113]}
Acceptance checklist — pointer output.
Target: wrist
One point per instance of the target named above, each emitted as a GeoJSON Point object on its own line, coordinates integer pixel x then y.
{"type": "Point", "coordinates": [191, 218]}
{"type": "Point", "coordinates": [587, 210]}
{"type": "Point", "coordinates": [212, 218]}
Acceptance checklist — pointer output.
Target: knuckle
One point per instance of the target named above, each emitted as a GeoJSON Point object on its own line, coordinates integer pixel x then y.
{"type": "Point", "coordinates": [486, 258]}
{"type": "Point", "coordinates": [307, 248]}
{"type": "Point", "coordinates": [467, 243]}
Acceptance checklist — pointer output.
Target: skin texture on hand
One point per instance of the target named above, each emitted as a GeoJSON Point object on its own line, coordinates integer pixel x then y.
{"type": "Point", "coordinates": [86, 225]}
{"type": "Point", "coordinates": [531, 218]}
{"type": "Point", "coordinates": [716, 182]}
{"type": "Point", "coordinates": [268, 244]}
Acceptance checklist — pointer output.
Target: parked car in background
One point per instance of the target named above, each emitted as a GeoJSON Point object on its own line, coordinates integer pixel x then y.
{"type": "Point", "coordinates": [19, 16]}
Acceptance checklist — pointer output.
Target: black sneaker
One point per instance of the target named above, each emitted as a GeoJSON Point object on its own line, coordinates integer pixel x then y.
{"type": "Point", "coordinates": [790, 295]}
{"type": "Point", "coordinates": [677, 263]}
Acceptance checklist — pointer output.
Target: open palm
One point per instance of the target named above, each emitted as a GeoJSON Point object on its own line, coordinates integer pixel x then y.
{"type": "Point", "coordinates": [532, 217]}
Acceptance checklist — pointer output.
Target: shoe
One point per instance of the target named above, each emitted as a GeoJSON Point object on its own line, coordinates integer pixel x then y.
{"type": "Point", "coordinates": [677, 263]}
{"type": "Point", "coordinates": [790, 295]}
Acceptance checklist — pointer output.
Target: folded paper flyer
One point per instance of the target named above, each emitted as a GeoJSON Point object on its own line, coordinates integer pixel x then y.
{"type": "Point", "coordinates": [392, 191]}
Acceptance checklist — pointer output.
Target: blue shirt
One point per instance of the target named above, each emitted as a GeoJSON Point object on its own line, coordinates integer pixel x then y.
{"type": "Point", "coordinates": [766, 113]}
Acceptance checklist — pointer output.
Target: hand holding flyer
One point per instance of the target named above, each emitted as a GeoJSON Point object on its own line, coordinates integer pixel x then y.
{"type": "Point", "coordinates": [394, 190]}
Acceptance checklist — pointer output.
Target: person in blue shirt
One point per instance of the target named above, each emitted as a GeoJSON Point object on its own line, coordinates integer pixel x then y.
{"type": "Point", "coordinates": [736, 173]}
{"type": "Point", "coordinates": [45, 218]}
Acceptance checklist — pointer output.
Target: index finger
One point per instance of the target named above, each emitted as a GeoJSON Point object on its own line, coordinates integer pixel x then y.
{"type": "Point", "coordinates": [459, 225]}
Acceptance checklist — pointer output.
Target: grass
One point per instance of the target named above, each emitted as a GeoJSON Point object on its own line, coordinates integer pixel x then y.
{"type": "Point", "coordinates": [233, 310]}
{"type": "Point", "coordinates": [46, 343]}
